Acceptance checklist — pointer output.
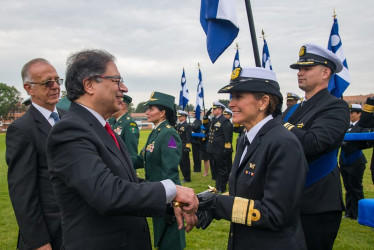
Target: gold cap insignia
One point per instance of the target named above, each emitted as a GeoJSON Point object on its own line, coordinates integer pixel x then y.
{"type": "Point", "coordinates": [151, 97]}
{"type": "Point", "coordinates": [228, 87]}
{"type": "Point", "coordinates": [302, 51]}
{"type": "Point", "coordinates": [235, 73]}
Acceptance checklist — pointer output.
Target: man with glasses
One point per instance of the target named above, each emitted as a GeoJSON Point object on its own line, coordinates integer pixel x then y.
{"type": "Point", "coordinates": [102, 203]}
{"type": "Point", "coordinates": [30, 188]}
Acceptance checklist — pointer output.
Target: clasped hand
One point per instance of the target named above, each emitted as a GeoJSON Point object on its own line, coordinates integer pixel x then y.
{"type": "Point", "coordinates": [205, 213]}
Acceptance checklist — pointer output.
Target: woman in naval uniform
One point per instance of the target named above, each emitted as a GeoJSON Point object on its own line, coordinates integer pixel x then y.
{"type": "Point", "coordinates": [160, 158]}
{"type": "Point", "coordinates": [268, 173]}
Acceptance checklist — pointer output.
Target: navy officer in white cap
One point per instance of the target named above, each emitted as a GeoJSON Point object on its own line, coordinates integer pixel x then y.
{"type": "Point", "coordinates": [291, 99]}
{"type": "Point", "coordinates": [320, 124]}
{"type": "Point", "coordinates": [219, 146]}
{"type": "Point", "coordinates": [352, 164]}
{"type": "Point", "coordinates": [268, 173]}
{"type": "Point", "coordinates": [184, 130]}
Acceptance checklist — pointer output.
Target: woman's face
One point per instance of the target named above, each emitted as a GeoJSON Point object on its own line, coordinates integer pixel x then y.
{"type": "Point", "coordinates": [154, 115]}
{"type": "Point", "coordinates": [246, 109]}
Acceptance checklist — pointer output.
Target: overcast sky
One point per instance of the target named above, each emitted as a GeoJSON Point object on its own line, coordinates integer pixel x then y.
{"type": "Point", "coordinates": [154, 40]}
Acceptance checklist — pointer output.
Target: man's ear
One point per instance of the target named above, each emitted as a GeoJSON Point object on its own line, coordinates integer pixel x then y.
{"type": "Point", "coordinates": [28, 88]}
{"type": "Point", "coordinates": [88, 85]}
{"type": "Point", "coordinates": [326, 73]}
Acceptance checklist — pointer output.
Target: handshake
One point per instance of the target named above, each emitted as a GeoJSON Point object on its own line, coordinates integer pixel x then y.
{"type": "Point", "coordinates": [199, 212]}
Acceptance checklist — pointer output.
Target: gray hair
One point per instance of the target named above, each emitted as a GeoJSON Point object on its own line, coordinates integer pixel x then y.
{"type": "Point", "coordinates": [25, 69]}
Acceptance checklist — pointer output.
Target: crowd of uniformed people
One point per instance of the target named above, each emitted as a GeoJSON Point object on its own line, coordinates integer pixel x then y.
{"type": "Point", "coordinates": [281, 189]}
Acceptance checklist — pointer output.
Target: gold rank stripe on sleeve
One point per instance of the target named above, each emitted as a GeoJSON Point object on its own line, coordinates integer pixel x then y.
{"type": "Point", "coordinates": [239, 210]}
{"type": "Point", "coordinates": [242, 213]}
{"type": "Point", "coordinates": [288, 126]}
{"type": "Point", "coordinates": [368, 108]}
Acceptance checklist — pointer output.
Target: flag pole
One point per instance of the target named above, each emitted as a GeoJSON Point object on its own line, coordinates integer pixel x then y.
{"type": "Point", "coordinates": [198, 67]}
{"type": "Point", "coordinates": [253, 33]}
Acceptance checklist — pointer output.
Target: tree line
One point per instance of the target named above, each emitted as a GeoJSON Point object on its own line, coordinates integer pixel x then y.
{"type": "Point", "coordinates": [11, 102]}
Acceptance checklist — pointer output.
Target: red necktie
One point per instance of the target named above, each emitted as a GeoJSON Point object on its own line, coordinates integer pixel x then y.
{"type": "Point", "coordinates": [110, 131]}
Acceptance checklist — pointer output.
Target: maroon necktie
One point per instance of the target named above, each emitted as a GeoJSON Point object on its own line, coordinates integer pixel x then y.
{"type": "Point", "coordinates": [110, 131]}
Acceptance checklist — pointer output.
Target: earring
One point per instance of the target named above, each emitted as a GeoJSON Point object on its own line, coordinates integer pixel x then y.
{"type": "Point", "coordinates": [260, 109]}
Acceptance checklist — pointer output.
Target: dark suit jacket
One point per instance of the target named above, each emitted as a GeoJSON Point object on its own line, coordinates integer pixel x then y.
{"type": "Point", "coordinates": [30, 188]}
{"type": "Point", "coordinates": [320, 125]}
{"type": "Point", "coordinates": [272, 175]}
{"type": "Point", "coordinates": [102, 204]}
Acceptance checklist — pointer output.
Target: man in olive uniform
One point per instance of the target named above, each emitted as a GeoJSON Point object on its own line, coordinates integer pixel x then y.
{"type": "Point", "coordinates": [126, 127]}
{"type": "Point", "coordinates": [219, 146]}
{"type": "Point", "coordinates": [184, 130]}
{"type": "Point", "coordinates": [196, 144]}
{"type": "Point", "coordinates": [320, 123]}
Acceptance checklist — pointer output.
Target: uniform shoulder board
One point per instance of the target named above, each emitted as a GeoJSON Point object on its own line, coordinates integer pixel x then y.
{"type": "Point", "coordinates": [168, 126]}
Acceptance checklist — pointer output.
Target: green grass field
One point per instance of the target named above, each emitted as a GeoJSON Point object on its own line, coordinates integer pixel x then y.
{"type": "Point", "coordinates": [351, 234]}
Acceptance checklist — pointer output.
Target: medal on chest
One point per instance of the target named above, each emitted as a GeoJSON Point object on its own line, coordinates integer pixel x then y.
{"type": "Point", "coordinates": [118, 130]}
{"type": "Point", "coordinates": [150, 147]}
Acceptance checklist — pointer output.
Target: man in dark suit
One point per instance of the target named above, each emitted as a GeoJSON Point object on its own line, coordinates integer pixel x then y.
{"type": "Point", "coordinates": [184, 130]}
{"type": "Point", "coordinates": [103, 204]}
{"type": "Point", "coordinates": [320, 123]}
{"type": "Point", "coordinates": [219, 146]}
{"type": "Point", "coordinates": [30, 188]}
{"type": "Point", "coordinates": [352, 164]}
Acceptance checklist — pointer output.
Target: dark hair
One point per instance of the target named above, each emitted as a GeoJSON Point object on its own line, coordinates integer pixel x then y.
{"type": "Point", "coordinates": [275, 105]}
{"type": "Point", "coordinates": [25, 69]}
{"type": "Point", "coordinates": [81, 65]}
{"type": "Point", "coordinates": [170, 114]}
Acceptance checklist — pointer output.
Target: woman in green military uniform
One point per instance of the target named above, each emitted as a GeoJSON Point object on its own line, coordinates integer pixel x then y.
{"type": "Point", "coordinates": [160, 158]}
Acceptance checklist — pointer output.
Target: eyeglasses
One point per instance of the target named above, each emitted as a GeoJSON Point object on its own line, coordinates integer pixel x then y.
{"type": "Point", "coordinates": [116, 79]}
{"type": "Point", "coordinates": [49, 83]}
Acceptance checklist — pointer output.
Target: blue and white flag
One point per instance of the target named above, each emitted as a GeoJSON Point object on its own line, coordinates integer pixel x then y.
{"type": "Point", "coordinates": [199, 96]}
{"type": "Point", "coordinates": [340, 81]}
{"type": "Point", "coordinates": [183, 96]}
{"type": "Point", "coordinates": [236, 62]}
{"type": "Point", "coordinates": [219, 21]}
{"type": "Point", "coordinates": [266, 61]}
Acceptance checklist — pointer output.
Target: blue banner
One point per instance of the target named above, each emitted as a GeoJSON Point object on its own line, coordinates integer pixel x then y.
{"type": "Point", "coordinates": [338, 82]}
{"type": "Point", "coordinates": [219, 21]}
